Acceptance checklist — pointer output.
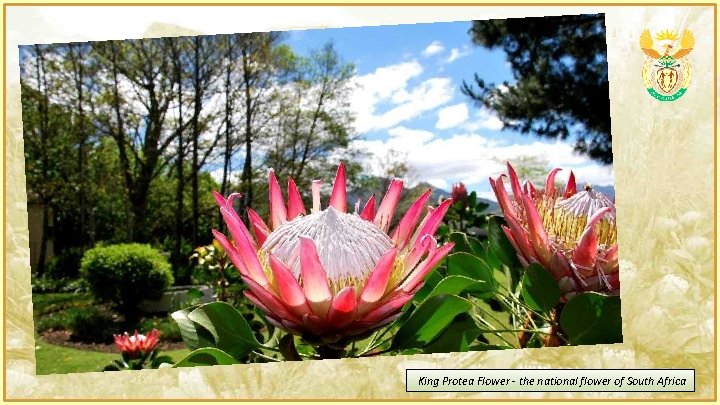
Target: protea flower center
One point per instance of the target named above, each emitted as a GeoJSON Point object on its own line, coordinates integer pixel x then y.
{"type": "Point", "coordinates": [331, 276]}
{"type": "Point", "coordinates": [348, 246]}
{"type": "Point", "coordinates": [565, 220]}
{"type": "Point", "coordinates": [572, 234]}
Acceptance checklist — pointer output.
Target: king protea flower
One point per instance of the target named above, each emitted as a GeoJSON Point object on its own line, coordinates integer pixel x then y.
{"type": "Point", "coordinates": [329, 275]}
{"type": "Point", "coordinates": [459, 193]}
{"type": "Point", "coordinates": [572, 234]}
{"type": "Point", "coordinates": [137, 344]}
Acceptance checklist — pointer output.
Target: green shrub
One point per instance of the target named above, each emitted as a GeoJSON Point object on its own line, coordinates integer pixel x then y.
{"type": "Point", "coordinates": [66, 264]}
{"type": "Point", "coordinates": [48, 284]}
{"type": "Point", "coordinates": [126, 274]}
{"type": "Point", "coordinates": [92, 325]}
{"type": "Point", "coordinates": [169, 329]}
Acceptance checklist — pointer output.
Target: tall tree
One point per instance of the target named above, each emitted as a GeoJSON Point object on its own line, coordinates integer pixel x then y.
{"type": "Point", "coordinates": [204, 70]}
{"type": "Point", "coordinates": [77, 59]}
{"type": "Point", "coordinates": [561, 79]}
{"type": "Point", "coordinates": [313, 119]}
{"type": "Point", "coordinates": [141, 91]}
{"type": "Point", "coordinates": [256, 51]}
{"type": "Point", "coordinates": [177, 60]}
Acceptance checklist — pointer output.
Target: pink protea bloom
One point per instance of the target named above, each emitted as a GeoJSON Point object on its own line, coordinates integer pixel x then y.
{"type": "Point", "coordinates": [459, 192]}
{"type": "Point", "coordinates": [329, 275]}
{"type": "Point", "coordinates": [137, 344]}
{"type": "Point", "coordinates": [572, 234]}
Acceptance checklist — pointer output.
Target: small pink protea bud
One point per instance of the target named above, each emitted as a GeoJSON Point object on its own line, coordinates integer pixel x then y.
{"type": "Point", "coordinates": [459, 193]}
{"type": "Point", "coordinates": [330, 275]}
{"type": "Point", "coordinates": [572, 234]}
{"type": "Point", "coordinates": [137, 344]}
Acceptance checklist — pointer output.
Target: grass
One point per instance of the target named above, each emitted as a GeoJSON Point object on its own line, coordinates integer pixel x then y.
{"type": "Point", "coordinates": [52, 359]}
{"type": "Point", "coordinates": [52, 302]}
{"type": "Point", "coordinates": [61, 310]}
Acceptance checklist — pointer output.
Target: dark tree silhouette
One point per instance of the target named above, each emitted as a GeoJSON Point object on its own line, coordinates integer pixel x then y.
{"type": "Point", "coordinates": [561, 84]}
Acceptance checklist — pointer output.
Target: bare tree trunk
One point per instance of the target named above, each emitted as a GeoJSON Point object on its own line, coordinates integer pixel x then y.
{"type": "Point", "coordinates": [247, 168]}
{"type": "Point", "coordinates": [44, 134]}
{"type": "Point", "coordinates": [180, 160]}
{"type": "Point", "coordinates": [196, 134]}
{"type": "Point", "coordinates": [227, 158]}
{"type": "Point", "coordinates": [79, 77]}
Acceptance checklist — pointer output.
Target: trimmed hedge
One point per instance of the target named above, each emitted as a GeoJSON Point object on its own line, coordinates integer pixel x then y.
{"type": "Point", "coordinates": [126, 274]}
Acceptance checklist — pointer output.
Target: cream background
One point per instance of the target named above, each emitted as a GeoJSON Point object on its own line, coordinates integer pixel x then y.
{"type": "Point", "coordinates": [664, 186]}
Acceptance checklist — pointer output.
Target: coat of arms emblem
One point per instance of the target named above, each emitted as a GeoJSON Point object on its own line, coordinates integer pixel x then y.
{"type": "Point", "coordinates": [667, 75]}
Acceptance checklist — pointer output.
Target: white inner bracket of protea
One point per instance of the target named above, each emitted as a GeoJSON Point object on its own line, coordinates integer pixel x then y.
{"type": "Point", "coordinates": [587, 203]}
{"type": "Point", "coordinates": [348, 246]}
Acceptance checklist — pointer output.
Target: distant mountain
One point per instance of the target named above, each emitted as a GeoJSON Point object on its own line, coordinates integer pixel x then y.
{"type": "Point", "coordinates": [376, 185]}
{"type": "Point", "coordinates": [609, 191]}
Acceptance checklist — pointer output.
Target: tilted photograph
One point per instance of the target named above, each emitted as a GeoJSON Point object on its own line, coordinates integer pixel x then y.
{"type": "Point", "coordinates": [320, 194]}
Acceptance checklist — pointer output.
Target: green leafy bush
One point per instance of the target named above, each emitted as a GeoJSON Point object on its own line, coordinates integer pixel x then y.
{"type": "Point", "coordinates": [92, 324]}
{"type": "Point", "coordinates": [126, 274]}
{"type": "Point", "coordinates": [66, 264]}
{"type": "Point", "coordinates": [169, 330]}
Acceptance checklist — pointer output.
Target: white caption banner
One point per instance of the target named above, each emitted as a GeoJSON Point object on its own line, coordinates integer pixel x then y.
{"type": "Point", "coordinates": [550, 380]}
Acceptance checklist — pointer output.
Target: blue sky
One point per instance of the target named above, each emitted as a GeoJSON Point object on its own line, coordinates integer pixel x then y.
{"type": "Point", "coordinates": [408, 98]}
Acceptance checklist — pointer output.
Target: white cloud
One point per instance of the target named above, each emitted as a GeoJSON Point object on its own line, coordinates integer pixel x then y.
{"type": "Point", "coordinates": [390, 85]}
{"type": "Point", "coordinates": [457, 53]}
{"type": "Point", "coordinates": [473, 158]}
{"type": "Point", "coordinates": [438, 183]}
{"type": "Point", "coordinates": [484, 119]}
{"type": "Point", "coordinates": [452, 116]}
{"type": "Point", "coordinates": [433, 49]}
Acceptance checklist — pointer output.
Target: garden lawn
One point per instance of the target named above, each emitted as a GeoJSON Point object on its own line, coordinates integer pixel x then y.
{"type": "Point", "coordinates": [52, 359]}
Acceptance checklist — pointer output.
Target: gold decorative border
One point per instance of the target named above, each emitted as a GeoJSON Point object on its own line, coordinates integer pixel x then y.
{"type": "Point", "coordinates": [664, 203]}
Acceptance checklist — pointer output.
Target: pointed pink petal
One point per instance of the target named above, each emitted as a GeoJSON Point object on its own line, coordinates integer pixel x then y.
{"type": "Point", "coordinates": [433, 220]}
{"type": "Point", "coordinates": [357, 327]}
{"type": "Point", "coordinates": [256, 301]}
{"type": "Point", "coordinates": [244, 244]}
{"type": "Point", "coordinates": [521, 239]}
{"type": "Point", "coordinates": [537, 234]}
{"type": "Point", "coordinates": [368, 212]}
{"type": "Point", "coordinates": [610, 260]}
{"type": "Point", "coordinates": [425, 244]}
{"type": "Point", "coordinates": [237, 228]}
{"type": "Point", "coordinates": [571, 187]}
{"type": "Point", "coordinates": [377, 282]}
{"type": "Point", "coordinates": [231, 252]}
{"type": "Point", "coordinates": [314, 324]}
{"type": "Point", "coordinates": [231, 199]}
{"type": "Point", "coordinates": [316, 195]}
{"type": "Point", "coordinates": [269, 300]}
{"type": "Point", "coordinates": [385, 310]}
{"type": "Point", "coordinates": [511, 238]}
{"type": "Point", "coordinates": [343, 308]}
{"type": "Point", "coordinates": [559, 266]}
{"type": "Point", "coordinates": [231, 217]}
{"type": "Point", "coordinates": [260, 229]}
{"type": "Point", "coordinates": [585, 253]}
{"type": "Point", "coordinates": [295, 202]}
{"type": "Point", "coordinates": [503, 199]}
{"type": "Point", "coordinates": [550, 182]}
{"type": "Point", "coordinates": [278, 214]}
{"type": "Point", "coordinates": [288, 287]}
{"type": "Point", "coordinates": [219, 198]}
{"type": "Point", "coordinates": [338, 198]}
{"type": "Point", "coordinates": [514, 182]}
{"type": "Point", "coordinates": [404, 229]}
{"type": "Point", "coordinates": [313, 277]}
{"type": "Point", "coordinates": [425, 267]}
{"type": "Point", "coordinates": [385, 212]}
{"type": "Point", "coordinates": [603, 282]}
{"type": "Point", "coordinates": [530, 189]}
